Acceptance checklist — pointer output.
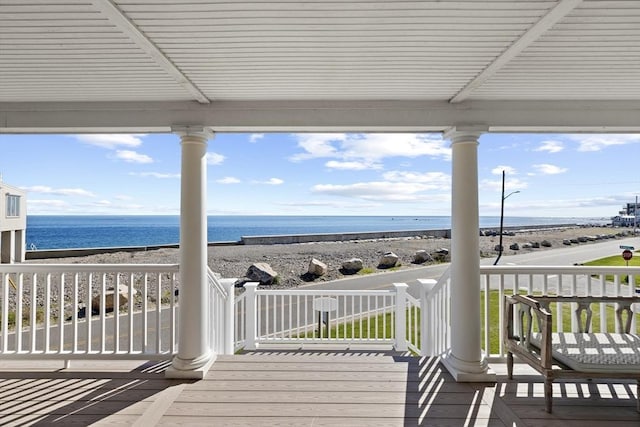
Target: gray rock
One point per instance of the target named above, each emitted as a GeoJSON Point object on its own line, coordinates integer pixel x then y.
{"type": "Point", "coordinates": [545, 243]}
{"type": "Point", "coordinates": [566, 242]}
{"type": "Point", "coordinates": [497, 248]}
{"type": "Point", "coordinates": [317, 268]}
{"type": "Point", "coordinates": [353, 264]}
{"type": "Point", "coordinates": [388, 260]}
{"type": "Point", "coordinates": [535, 245]}
{"type": "Point", "coordinates": [422, 256]}
{"type": "Point", "coordinates": [514, 246]}
{"type": "Point", "coordinates": [443, 251]}
{"type": "Point", "coordinates": [527, 245]}
{"type": "Point", "coordinates": [261, 272]}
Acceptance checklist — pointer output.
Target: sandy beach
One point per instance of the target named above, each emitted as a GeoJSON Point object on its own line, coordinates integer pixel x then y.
{"type": "Point", "coordinates": [291, 261]}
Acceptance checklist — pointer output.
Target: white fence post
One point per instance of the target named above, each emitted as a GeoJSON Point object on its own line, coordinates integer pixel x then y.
{"type": "Point", "coordinates": [229, 315]}
{"type": "Point", "coordinates": [401, 316]}
{"type": "Point", "coordinates": [251, 316]}
{"type": "Point", "coordinates": [426, 314]}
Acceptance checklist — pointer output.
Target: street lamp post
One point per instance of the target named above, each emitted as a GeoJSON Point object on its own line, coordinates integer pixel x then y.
{"type": "Point", "coordinates": [500, 248]}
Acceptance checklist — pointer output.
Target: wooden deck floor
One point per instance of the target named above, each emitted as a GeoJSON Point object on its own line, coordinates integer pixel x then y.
{"type": "Point", "coordinates": [303, 388]}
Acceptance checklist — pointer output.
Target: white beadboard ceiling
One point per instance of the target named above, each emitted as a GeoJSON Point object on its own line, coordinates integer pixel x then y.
{"type": "Point", "coordinates": [256, 64]}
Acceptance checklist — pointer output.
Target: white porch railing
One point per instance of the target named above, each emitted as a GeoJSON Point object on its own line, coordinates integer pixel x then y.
{"type": "Point", "coordinates": [52, 311]}
{"type": "Point", "coordinates": [55, 311]}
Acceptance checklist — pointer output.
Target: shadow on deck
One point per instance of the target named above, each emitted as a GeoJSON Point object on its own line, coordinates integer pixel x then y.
{"type": "Point", "coordinates": [303, 388]}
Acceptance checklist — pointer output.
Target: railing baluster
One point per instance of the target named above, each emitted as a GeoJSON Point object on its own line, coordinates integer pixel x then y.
{"type": "Point", "coordinates": [159, 314]}
{"type": "Point", "coordinates": [47, 312]}
{"type": "Point", "coordinates": [103, 317]}
{"type": "Point", "coordinates": [5, 312]}
{"type": "Point", "coordinates": [145, 308]}
{"type": "Point", "coordinates": [88, 311]}
{"type": "Point", "coordinates": [34, 310]}
{"type": "Point", "coordinates": [61, 304]}
{"type": "Point", "coordinates": [172, 313]}
{"type": "Point", "coordinates": [75, 313]}
{"type": "Point", "coordinates": [130, 312]}
{"type": "Point", "coordinates": [19, 303]}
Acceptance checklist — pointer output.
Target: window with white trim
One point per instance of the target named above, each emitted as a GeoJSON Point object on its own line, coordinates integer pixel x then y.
{"type": "Point", "coordinates": [13, 205]}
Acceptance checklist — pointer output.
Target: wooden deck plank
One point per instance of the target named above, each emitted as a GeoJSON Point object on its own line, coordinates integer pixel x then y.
{"type": "Point", "coordinates": [291, 409]}
{"type": "Point", "coordinates": [300, 421]}
{"type": "Point", "coordinates": [320, 396]}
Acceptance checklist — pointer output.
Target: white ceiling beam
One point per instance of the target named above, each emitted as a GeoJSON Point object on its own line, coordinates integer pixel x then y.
{"type": "Point", "coordinates": [118, 18]}
{"type": "Point", "coordinates": [530, 36]}
{"type": "Point", "coordinates": [321, 116]}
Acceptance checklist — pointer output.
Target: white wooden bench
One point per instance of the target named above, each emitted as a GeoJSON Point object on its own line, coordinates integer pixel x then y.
{"type": "Point", "coordinates": [571, 355]}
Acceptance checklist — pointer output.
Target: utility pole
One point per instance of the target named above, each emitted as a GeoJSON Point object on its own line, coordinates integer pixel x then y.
{"type": "Point", "coordinates": [500, 248]}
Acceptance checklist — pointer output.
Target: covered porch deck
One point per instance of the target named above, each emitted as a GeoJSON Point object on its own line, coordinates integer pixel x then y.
{"type": "Point", "coordinates": [319, 386]}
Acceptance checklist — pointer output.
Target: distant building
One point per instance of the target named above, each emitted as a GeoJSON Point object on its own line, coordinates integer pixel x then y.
{"type": "Point", "coordinates": [13, 223]}
{"type": "Point", "coordinates": [628, 216]}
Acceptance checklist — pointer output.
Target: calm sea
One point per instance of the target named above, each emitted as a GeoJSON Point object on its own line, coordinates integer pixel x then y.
{"type": "Point", "coordinates": [58, 232]}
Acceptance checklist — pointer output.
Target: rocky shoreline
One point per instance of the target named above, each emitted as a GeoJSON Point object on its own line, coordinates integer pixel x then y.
{"type": "Point", "coordinates": [291, 261]}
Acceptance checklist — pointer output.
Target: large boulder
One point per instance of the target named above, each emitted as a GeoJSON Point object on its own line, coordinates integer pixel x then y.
{"type": "Point", "coordinates": [514, 246]}
{"type": "Point", "coordinates": [261, 272]}
{"type": "Point", "coordinates": [421, 257]}
{"type": "Point", "coordinates": [546, 243]}
{"type": "Point", "coordinates": [352, 265]}
{"type": "Point", "coordinates": [110, 300]}
{"type": "Point", "coordinates": [388, 260]}
{"type": "Point", "coordinates": [317, 268]}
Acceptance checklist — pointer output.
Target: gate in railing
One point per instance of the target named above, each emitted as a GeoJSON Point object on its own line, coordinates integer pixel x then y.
{"type": "Point", "coordinates": [53, 311]}
{"type": "Point", "coordinates": [389, 317]}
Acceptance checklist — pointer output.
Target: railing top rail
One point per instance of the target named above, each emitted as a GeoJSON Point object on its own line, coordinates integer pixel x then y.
{"type": "Point", "coordinates": [556, 269]}
{"type": "Point", "coordinates": [89, 268]}
{"type": "Point", "coordinates": [324, 292]}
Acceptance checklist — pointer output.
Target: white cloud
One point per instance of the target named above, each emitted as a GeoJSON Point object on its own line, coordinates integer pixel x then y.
{"type": "Point", "coordinates": [370, 148]}
{"type": "Point", "coordinates": [430, 180]}
{"type": "Point", "coordinates": [254, 137]}
{"type": "Point", "coordinates": [547, 169]}
{"type": "Point", "coordinates": [111, 141]}
{"type": "Point", "coordinates": [123, 197]}
{"type": "Point", "coordinates": [550, 146]}
{"type": "Point", "coordinates": [508, 170]}
{"type": "Point", "coordinates": [597, 142]}
{"type": "Point", "coordinates": [158, 175]}
{"type": "Point", "coordinates": [133, 157]}
{"type": "Point", "coordinates": [353, 165]}
{"type": "Point", "coordinates": [270, 181]}
{"type": "Point", "coordinates": [510, 184]}
{"type": "Point", "coordinates": [43, 189]}
{"type": "Point", "coordinates": [214, 159]}
{"type": "Point", "coordinates": [379, 190]}
{"type": "Point", "coordinates": [43, 203]}
{"type": "Point", "coordinates": [317, 145]}
{"type": "Point", "coordinates": [228, 180]}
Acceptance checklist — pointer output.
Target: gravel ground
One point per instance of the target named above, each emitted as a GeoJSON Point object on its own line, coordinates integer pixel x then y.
{"type": "Point", "coordinates": [291, 261]}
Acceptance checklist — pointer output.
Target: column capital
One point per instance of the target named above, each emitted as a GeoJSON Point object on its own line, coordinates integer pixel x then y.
{"type": "Point", "coordinates": [467, 133]}
{"type": "Point", "coordinates": [196, 131]}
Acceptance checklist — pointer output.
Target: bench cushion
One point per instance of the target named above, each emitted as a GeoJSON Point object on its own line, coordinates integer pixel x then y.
{"type": "Point", "coordinates": [600, 352]}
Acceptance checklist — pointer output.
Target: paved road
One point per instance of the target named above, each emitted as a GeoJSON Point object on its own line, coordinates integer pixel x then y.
{"type": "Point", "coordinates": [560, 256]}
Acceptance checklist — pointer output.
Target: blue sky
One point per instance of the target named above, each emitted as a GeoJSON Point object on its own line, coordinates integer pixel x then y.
{"type": "Point", "coordinates": [323, 174]}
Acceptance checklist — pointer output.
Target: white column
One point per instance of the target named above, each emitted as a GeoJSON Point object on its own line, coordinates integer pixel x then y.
{"type": "Point", "coordinates": [465, 360]}
{"type": "Point", "coordinates": [194, 350]}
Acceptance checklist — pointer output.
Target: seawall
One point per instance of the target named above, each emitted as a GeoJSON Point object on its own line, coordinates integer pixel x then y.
{"type": "Point", "coordinates": [283, 240]}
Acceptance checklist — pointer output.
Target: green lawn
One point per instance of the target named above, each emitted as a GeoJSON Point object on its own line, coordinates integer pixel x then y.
{"type": "Point", "coordinates": [617, 261]}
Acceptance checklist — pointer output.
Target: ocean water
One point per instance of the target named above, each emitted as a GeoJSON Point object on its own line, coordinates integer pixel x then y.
{"type": "Point", "coordinates": [59, 232]}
